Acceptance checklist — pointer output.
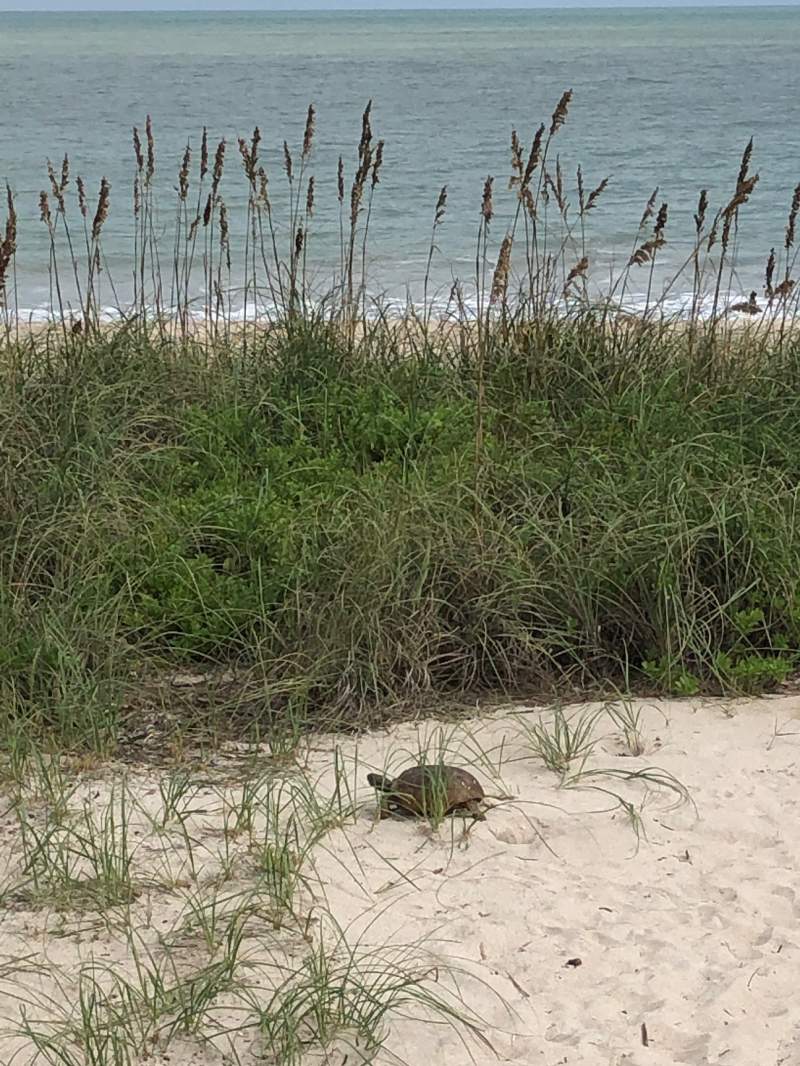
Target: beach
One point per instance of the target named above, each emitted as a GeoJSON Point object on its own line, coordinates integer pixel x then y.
{"type": "Point", "coordinates": [561, 928]}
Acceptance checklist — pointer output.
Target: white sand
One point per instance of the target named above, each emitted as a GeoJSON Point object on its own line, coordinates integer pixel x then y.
{"type": "Point", "coordinates": [694, 933]}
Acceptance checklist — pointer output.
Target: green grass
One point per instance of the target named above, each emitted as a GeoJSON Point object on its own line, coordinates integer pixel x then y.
{"type": "Point", "coordinates": [315, 515]}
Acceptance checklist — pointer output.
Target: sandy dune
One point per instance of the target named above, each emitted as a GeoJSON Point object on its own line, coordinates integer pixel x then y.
{"type": "Point", "coordinates": [572, 940]}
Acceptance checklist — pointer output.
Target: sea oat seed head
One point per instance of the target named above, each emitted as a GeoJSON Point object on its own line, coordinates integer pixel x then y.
{"type": "Point", "coordinates": [769, 274]}
{"type": "Point", "coordinates": [376, 166]}
{"type": "Point", "coordinates": [487, 205]}
{"type": "Point", "coordinates": [649, 208]}
{"type": "Point", "coordinates": [263, 187]}
{"type": "Point", "coordinates": [84, 208]}
{"type": "Point", "coordinates": [790, 226]}
{"type": "Point", "coordinates": [595, 195]}
{"type": "Point", "coordinates": [501, 272]}
{"type": "Point", "coordinates": [702, 207]}
{"type": "Point", "coordinates": [219, 163]}
{"type": "Point", "coordinates": [517, 166]}
{"type": "Point", "coordinates": [44, 208]}
{"type": "Point", "coordinates": [183, 174]}
{"type": "Point", "coordinates": [560, 113]}
{"type": "Point", "coordinates": [534, 157]}
{"type": "Point", "coordinates": [137, 148]}
{"type": "Point", "coordinates": [308, 135]}
{"type": "Point", "coordinates": [661, 221]}
{"type": "Point", "coordinates": [310, 197]}
{"type": "Point", "coordinates": [204, 154]}
{"type": "Point", "coordinates": [441, 206]}
{"type": "Point", "coordinates": [101, 214]}
{"type": "Point", "coordinates": [743, 167]}
{"type": "Point", "coordinates": [151, 150]}
{"type": "Point", "coordinates": [578, 271]}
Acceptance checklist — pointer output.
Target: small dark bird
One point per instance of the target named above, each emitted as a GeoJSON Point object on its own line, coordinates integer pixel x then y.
{"type": "Point", "coordinates": [750, 307]}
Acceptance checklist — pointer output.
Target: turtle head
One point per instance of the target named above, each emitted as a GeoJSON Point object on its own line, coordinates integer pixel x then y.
{"type": "Point", "coordinates": [379, 781]}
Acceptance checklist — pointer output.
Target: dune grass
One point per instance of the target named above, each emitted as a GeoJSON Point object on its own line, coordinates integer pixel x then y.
{"type": "Point", "coordinates": [318, 514]}
{"type": "Point", "coordinates": [311, 529]}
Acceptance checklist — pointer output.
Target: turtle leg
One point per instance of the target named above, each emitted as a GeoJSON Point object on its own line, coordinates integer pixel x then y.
{"type": "Point", "coordinates": [474, 808]}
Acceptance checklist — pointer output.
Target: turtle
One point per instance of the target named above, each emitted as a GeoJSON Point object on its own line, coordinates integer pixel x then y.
{"type": "Point", "coordinates": [426, 790]}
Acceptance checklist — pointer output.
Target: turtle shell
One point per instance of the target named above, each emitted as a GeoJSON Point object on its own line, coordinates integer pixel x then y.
{"type": "Point", "coordinates": [432, 789]}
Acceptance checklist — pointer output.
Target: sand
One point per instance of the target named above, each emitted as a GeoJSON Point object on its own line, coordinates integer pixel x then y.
{"type": "Point", "coordinates": [569, 938]}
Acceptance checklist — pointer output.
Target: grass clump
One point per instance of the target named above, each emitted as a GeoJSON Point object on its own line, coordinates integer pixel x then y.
{"type": "Point", "coordinates": [316, 519]}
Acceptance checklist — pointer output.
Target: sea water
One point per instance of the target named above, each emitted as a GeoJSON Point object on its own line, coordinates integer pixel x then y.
{"type": "Point", "coordinates": [662, 97]}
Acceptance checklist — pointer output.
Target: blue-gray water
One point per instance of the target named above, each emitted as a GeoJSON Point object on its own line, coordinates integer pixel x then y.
{"type": "Point", "coordinates": [661, 97]}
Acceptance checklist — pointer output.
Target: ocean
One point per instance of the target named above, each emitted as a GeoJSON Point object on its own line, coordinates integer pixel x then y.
{"type": "Point", "coordinates": [661, 97]}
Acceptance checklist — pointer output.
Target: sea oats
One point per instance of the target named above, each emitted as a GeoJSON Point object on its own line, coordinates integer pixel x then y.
{"type": "Point", "coordinates": [58, 194]}
{"type": "Point", "coordinates": [249, 154]}
{"type": "Point", "coordinates": [183, 173]}
{"type": "Point", "coordinates": [263, 187]}
{"type": "Point", "coordinates": [310, 197]}
{"type": "Point", "coordinates": [441, 206]}
{"type": "Point", "coordinates": [501, 272]}
{"type": "Point", "coordinates": [560, 113]}
{"type": "Point", "coordinates": [82, 202]}
{"type": "Point", "coordinates": [376, 166]}
{"type": "Point", "coordinates": [219, 164]}
{"type": "Point", "coordinates": [8, 245]}
{"type": "Point", "coordinates": [151, 149]}
{"type": "Point", "coordinates": [740, 197]}
{"type": "Point", "coordinates": [646, 252]}
{"type": "Point", "coordinates": [356, 194]}
{"type": "Point", "coordinates": [578, 271]}
{"type": "Point", "coordinates": [517, 166]}
{"type": "Point", "coordinates": [790, 226]}
{"type": "Point", "coordinates": [224, 230]}
{"type": "Point", "coordinates": [769, 274]}
{"type": "Point", "coordinates": [700, 214]}
{"type": "Point", "coordinates": [308, 135]}
{"type": "Point", "coordinates": [534, 157]}
{"type": "Point", "coordinates": [487, 203]}
{"type": "Point", "coordinates": [204, 154]}
{"type": "Point", "coordinates": [594, 195]}
{"type": "Point", "coordinates": [649, 207]}
{"type": "Point", "coordinates": [745, 163]}
{"type": "Point", "coordinates": [44, 208]}
{"type": "Point", "coordinates": [137, 148]}
{"type": "Point", "coordinates": [366, 131]}
{"type": "Point", "coordinates": [556, 188]}
{"type": "Point", "coordinates": [103, 202]}
{"type": "Point", "coordinates": [661, 222]}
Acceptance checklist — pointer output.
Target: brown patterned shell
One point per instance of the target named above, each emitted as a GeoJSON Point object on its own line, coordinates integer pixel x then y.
{"type": "Point", "coordinates": [422, 790]}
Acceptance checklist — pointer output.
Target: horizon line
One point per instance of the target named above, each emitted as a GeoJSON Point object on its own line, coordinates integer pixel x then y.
{"type": "Point", "coordinates": [546, 5]}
